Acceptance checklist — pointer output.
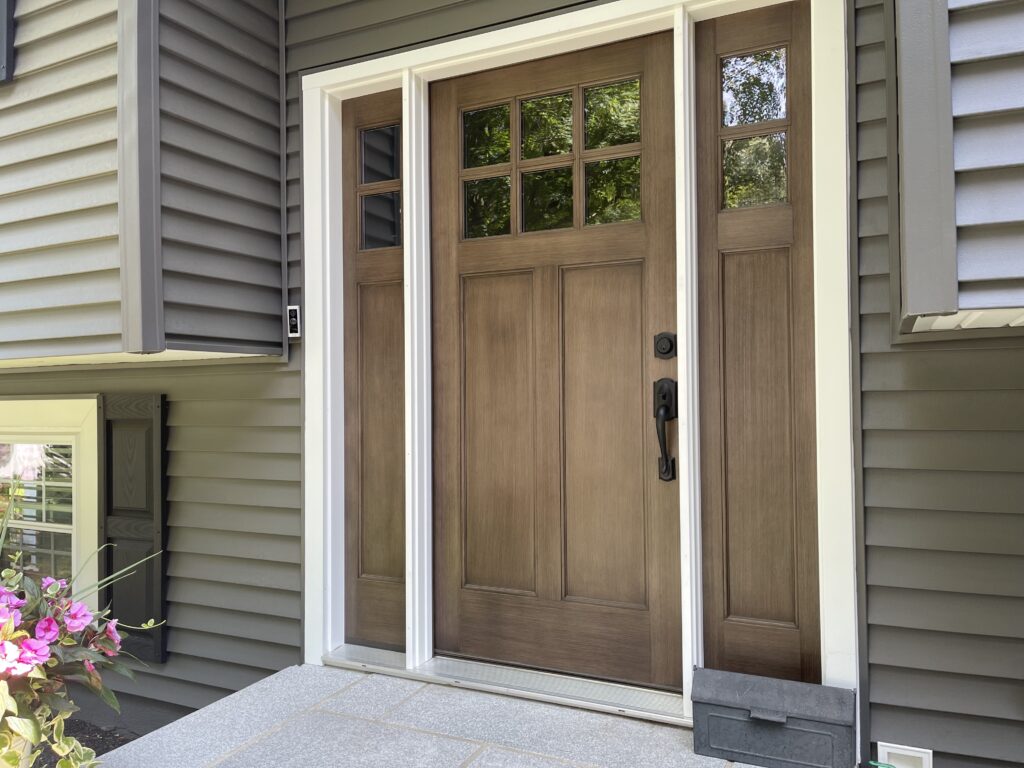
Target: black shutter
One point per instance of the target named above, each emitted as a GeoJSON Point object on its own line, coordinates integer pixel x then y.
{"type": "Point", "coordinates": [134, 515]}
{"type": "Point", "coordinates": [6, 41]}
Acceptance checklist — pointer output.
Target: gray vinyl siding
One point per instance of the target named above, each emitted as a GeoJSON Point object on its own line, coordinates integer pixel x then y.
{"type": "Point", "coordinates": [234, 492]}
{"type": "Point", "coordinates": [987, 57]}
{"type": "Point", "coordinates": [220, 174]}
{"type": "Point", "coordinates": [60, 285]}
{"type": "Point", "coordinates": [324, 32]}
{"type": "Point", "coordinates": [943, 483]}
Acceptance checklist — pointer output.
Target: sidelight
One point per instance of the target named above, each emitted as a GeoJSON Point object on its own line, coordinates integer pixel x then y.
{"type": "Point", "coordinates": [382, 220]}
{"type": "Point", "coordinates": [754, 171]}
{"type": "Point", "coordinates": [754, 87]}
{"type": "Point", "coordinates": [381, 154]}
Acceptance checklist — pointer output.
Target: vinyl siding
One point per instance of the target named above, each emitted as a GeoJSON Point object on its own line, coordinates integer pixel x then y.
{"type": "Point", "coordinates": [324, 32]}
{"type": "Point", "coordinates": [943, 433]}
{"type": "Point", "coordinates": [220, 172]}
{"type": "Point", "coordinates": [987, 57]}
{"type": "Point", "coordinates": [60, 285]}
{"type": "Point", "coordinates": [234, 491]}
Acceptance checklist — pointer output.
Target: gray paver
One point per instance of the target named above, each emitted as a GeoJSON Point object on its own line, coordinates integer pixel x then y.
{"type": "Point", "coordinates": [375, 696]}
{"type": "Point", "coordinates": [497, 757]}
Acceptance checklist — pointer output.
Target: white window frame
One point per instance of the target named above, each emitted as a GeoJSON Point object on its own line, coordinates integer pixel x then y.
{"type": "Point", "coordinates": [412, 71]}
{"type": "Point", "coordinates": [74, 422]}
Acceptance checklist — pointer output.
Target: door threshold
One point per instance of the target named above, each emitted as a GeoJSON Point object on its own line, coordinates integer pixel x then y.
{"type": "Point", "coordinates": [568, 690]}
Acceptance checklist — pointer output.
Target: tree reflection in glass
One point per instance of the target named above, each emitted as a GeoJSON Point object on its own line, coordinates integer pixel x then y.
{"type": "Point", "coordinates": [546, 125]}
{"type": "Point", "coordinates": [488, 206]}
{"type": "Point", "coordinates": [754, 87]}
{"type": "Point", "coordinates": [612, 114]}
{"type": "Point", "coordinates": [547, 199]}
{"type": "Point", "coordinates": [613, 190]}
{"type": "Point", "coordinates": [485, 136]}
{"type": "Point", "coordinates": [754, 171]}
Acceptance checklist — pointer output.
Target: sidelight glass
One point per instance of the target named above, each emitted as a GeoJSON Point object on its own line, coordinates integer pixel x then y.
{"type": "Point", "coordinates": [485, 136]}
{"type": "Point", "coordinates": [547, 199]}
{"type": "Point", "coordinates": [488, 204]}
{"type": "Point", "coordinates": [381, 220]}
{"type": "Point", "coordinates": [612, 114]}
{"type": "Point", "coordinates": [381, 160]}
{"type": "Point", "coordinates": [754, 87]}
{"type": "Point", "coordinates": [754, 171]}
{"type": "Point", "coordinates": [613, 190]}
{"type": "Point", "coordinates": [546, 125]}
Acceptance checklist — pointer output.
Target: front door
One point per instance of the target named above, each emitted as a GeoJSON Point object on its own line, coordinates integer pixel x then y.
{"type": "Point", "coordinates": [556, 518]}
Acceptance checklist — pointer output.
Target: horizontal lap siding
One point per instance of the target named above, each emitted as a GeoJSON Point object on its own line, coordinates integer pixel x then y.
{"type": "Point", "coordinates": [943, 437]}
{"type": "Point", "coordinates": [60, 285]}
{"type": "Point", "coordinates": [234, 492]}
{"type": "Point", "coordinates": [987, 55]}
{"type": "Point", "coordinates": [220, 166]}
{"type": "Point", "coordinates": [323, 32]}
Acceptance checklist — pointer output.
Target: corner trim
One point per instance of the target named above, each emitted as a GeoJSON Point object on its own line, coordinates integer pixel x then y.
{"type": "Point", "coordinates": [138, 150]}
{"type": "Point", "coordinates": [926, 180]}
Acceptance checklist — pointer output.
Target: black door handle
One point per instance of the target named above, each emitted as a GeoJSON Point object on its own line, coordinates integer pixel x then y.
{"type": "Point", "coordinates": [665, 410]}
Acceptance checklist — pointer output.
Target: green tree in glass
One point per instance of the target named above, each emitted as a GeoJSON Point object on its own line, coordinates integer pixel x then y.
{"type": "Point", "coordinates": [486, 138]}
{"type": "Point", "coordinates": [754, 87]}
{"type": "Point", "coordinates": [754, 171]}
{"type": "Point", "coordinates": [613, 190]}
{"type": "Point", "coordinates": [488, 207]}
{"type": "Point", "coordinates": [612, 114]}
{"type": "Point", "coordinates": [547, 125]}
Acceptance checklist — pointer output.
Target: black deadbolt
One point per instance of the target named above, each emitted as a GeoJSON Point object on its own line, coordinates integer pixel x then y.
{"type": "Point", "coordinates": [665, 345]}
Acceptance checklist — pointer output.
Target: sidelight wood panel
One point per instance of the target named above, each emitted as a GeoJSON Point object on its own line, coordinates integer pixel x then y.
{"type": "Point", "coordinates": [497, 312]}
{"type": "Point", "coordinates": [556, 544]}
{"type": "Point", "coordinates": [756, 341]}
{"type": "Point", "coordinates": [374, 401]}
{"type": "Point", "coordinates": [606, 421]}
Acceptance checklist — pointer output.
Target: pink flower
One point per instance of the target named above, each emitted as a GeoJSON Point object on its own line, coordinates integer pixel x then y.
{"type": "Point", "coordinates": [11, 664]}
{"type": "Point", "coordinates": [77, 617]}
{"type": "Point", "coordinates": [47, 630]}
{"type": "Point", "coordinates": [48, 580]}
{"type": "Point", "coordinates": [89, 665]}
{"type": "Point", "coordinates": [6, 612]}
{"type": "Point", "coordinates": [34, 652]}
{"type": "Point", "coordinates": [111, 631]}
{"type": "Point", "coordinates": [10, 599]}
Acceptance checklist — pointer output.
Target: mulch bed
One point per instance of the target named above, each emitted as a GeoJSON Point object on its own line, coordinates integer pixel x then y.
{"type": "Point", "coordinates": [101, 739]}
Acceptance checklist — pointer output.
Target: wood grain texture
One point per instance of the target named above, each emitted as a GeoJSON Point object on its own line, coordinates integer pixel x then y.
{"type": "Point", "coordinates": [755, 273]}
{"type": "Point", "coordinates": [374, 405]}
{"type": "Point", "coordinates": [546, 484]}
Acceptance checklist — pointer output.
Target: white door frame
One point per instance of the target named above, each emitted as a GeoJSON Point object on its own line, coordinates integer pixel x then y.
{"type": "Point", "coordinates": [412, 71]}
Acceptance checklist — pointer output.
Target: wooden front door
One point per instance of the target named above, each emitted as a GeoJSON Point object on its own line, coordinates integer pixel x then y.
{"type": "Point", "coordinates": [757, 437]}
{"type": "Point", "coordinates": [556, 540]}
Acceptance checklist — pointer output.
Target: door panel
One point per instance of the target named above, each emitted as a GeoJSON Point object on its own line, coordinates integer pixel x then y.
{"type": "Point", "coordinates": [374, 378]}
{"type": "Point", "coordinates": [556, 543]}
{"type": "Point", "coordinates": [756, 331]}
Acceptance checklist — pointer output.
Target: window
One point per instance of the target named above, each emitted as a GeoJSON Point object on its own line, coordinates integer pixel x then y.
{"type": "Point", "coordinates": [49, 486]}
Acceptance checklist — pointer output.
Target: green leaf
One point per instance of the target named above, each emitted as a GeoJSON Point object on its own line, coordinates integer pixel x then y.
{"type": "Point", "coordinates": [11, 758]}
{"type": "Point", "coordinates": [6, 700]}
{"type": "Point", "coordinates": [58, 728]}
{"type": "Point", "coordinates": [26, 727]}
{"type": "Point", "coordinates": [109, 698]}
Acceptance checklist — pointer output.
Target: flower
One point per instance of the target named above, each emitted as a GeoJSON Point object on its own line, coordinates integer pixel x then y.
{"type": "Point", "coordinates": [110, 630]}
{"type": "Point", "coordinates": [34, 652]}
{"type": "Point", "coordinates": [6, 612]}
{"type": "Point", "coordinates": [48, 581]}
{"type": "Point", "coordinates": [77, 617]}
{"type": "Point", "coordinates": [47, 630]}
{"type": "Point", "coordinates": [10, 598]}
{"type": "Point", "coordinates": [11, 664]}
{"type": "Point", "coordinates": [89, 666]}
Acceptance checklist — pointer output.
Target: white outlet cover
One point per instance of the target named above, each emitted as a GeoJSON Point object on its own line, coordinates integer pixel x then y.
{"type": "Point", "coordinates": [904, 757]}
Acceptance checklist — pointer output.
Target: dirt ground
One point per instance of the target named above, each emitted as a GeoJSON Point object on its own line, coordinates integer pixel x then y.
{"type": "Point", "coordinates": [101, 739]}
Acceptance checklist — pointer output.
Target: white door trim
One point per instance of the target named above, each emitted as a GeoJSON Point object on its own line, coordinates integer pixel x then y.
{"type": "Point", "coordinates": [412, 71]}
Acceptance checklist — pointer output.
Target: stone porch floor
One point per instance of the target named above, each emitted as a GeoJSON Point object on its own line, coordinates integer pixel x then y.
{"type": "Point", "coordinates": [307, 717]}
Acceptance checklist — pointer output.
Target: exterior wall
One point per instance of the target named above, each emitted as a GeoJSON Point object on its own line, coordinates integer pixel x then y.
{"type": "Point", "coordinates": [234, 518]}
{"type": "Point", "coordinates": [943, 479]}
{"type": "Point", "coordinates": [220, 166]}
{"type": "Point", "coordinates": [60, 284]}
{"type": "Point", "coordinates": [987, 57]}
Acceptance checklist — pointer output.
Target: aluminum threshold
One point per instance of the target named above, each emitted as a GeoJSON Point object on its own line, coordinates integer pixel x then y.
{"type": "Point", "coordinates": [614, 698]}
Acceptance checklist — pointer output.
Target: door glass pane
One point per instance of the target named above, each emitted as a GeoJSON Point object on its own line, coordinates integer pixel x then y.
{"type": "Point", "coordinates": [547, 125]}
{"type": "Point", "coordinates": [382, 220]}
{"type": "Point", "coordinates": [485, 136]}
{"type": "Point", "coordinates": [754, 87]}
{"type": "Point", "coordinates": [381, 160]}
{"type": "Point", "coordinates": [488, 206]}
{"type": "Point", "coordinates": [547, 199]}
{"type": "Point", "coordinates": [613, 190]}
{"type": "Point", "coordinates": [754, 171]}
{"type": "Point", "coordinates": [612, 114]}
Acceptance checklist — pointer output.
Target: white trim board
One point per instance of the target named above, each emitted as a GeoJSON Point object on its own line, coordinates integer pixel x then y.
{"type": "Point", "coordinates": [412, 71]}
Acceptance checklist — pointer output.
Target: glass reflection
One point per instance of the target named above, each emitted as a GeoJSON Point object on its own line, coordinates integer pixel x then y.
{"type": "Point", "coordinates": [485, 136]}
{"type": "Point", "coordinates": [547, 199]}
{"type": "Point", "coordinates": [754, 171]}
{"type": "Point", "coordinates": [382, 220]}
{"type": "Point", "coordinates": [754, 87]}
{"type": "Point", "coordinates": [546, 125]}
{"type": "Point", "coordinates": [612, 114]}
{"type": "Point", "coordinates": [488, 206]}
{"type": "Point", "coordinates": [613, 190]}
{"type": "Point", "coordinates": [381, 161]}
